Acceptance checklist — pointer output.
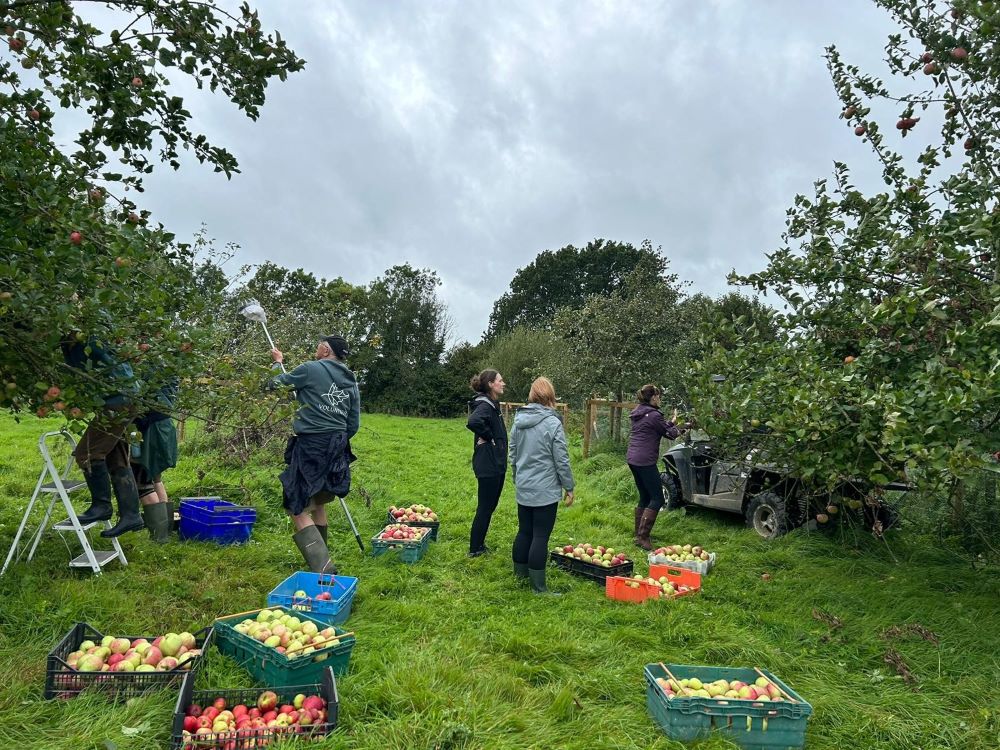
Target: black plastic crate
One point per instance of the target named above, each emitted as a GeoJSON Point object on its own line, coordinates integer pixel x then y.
{"type": "Point", "coordinates": [61, 681]}
{"type": "Point", "coordinates": [326, 688]}
{"type": "Point", "coordinates": [588, 570]}
{"type": "Point", "coordinates": [434, 526]}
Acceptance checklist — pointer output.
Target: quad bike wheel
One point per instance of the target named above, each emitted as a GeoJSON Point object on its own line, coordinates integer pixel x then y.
{"type": "Point", "coordinates": [767, 514]}
{"type": "Point", "coordinates": [671, 491]}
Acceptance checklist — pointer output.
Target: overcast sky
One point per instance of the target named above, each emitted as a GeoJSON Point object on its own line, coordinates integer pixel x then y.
{"type": "Point", "coordinates": [469, 136]}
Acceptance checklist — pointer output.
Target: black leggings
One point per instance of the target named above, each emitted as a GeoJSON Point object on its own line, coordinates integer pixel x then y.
{"type": "Point", "coordinates": [489, 495]}
{"type": "Point", "coordinates": [647, 481]}
{"type": "Point", "coordinates": [534, 527]}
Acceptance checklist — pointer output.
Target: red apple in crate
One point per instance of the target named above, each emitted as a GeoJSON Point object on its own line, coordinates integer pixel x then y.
{"type": "Point", "coordinates": [267, 701]}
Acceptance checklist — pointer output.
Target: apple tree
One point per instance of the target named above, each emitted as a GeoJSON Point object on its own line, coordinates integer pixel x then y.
{"type": "Point", "coordinates": [887, 356]}
{"type": "Point", "coordinates": [79, 258]}
{"type": "Point", "coordinates": [565, 278]}
{"type": "Point", "coordinates": [616, 342]}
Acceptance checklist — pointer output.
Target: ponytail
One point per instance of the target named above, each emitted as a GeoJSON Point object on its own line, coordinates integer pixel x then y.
{"type": "Point", "coordinates": [481, 383]}
{"type": "Point", "coordinates": [646, 393]}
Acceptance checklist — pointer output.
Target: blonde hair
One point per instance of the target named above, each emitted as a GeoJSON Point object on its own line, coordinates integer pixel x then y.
{"type": "Point", "coordinates": [542, 393]}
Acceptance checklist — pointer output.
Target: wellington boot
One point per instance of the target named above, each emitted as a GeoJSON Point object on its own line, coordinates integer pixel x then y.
{"type": "Point", "coordinates": [127, 494]}
{"type": "Point", "coordinates": [313, 548]}
{"type": "Point", "coordinates": [322, 532]}
{"type": "Point", "coordinates": [99, 483]}
{"type": "Point", "coordinates": [520, 570]}
{"type": "Point", "coordinates": [645, 528]}
{"type": "Point", "coordinates": [157, 520]}
{"type": "Point", "coordinates": [638, 517]}
{"type": "Point", "coordinates": [537, 578]}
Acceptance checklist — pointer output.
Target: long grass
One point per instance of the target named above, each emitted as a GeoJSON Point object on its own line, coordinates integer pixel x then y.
{"type": "Point", "coordinates": [452, 653]}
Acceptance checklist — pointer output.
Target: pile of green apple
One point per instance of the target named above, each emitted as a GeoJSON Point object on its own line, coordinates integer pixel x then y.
{"type": "Point", "coordinates": [761, 690]}
{"type": "Point", "coordinates": [164, 653]}
{"type": "Point", "coordinates": [219, 725]}
{"type": "Point", "coordinates": [413, 513]}
{"type": "Point", "coordinates": [606, 557]}
{"type": "Point", "coordinates": [664, 585]}
{"type": "Point", "coordinates": [683, 553]}
{"type": "Point", "coordinates": [287, 634]}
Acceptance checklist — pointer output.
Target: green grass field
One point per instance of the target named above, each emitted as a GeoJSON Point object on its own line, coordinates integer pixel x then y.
{"type": "Point", "coordinates": [451, 653]}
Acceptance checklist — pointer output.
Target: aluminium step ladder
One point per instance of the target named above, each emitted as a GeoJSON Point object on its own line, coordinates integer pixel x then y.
{"type": "Point", "coordinates": [58, 487]}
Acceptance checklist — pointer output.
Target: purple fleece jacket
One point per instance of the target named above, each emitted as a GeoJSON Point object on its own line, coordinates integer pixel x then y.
{"type": "Point", "coordinates": [648, 426]}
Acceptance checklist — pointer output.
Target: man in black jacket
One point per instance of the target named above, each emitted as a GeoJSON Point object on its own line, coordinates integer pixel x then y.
{"type": "Point", "coordinates": [489, 453]}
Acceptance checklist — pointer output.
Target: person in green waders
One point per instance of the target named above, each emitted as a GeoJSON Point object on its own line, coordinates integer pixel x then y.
{"type": "Point", "coordinates": [103, 449]}
{"type": "Point", "coordinates": [156, 453]}
{"type": "Point", "coordinates": [318, 455]}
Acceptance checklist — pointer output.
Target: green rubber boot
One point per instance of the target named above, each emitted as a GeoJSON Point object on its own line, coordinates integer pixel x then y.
{"type": "Point", "coordinates": [313, 549]}
{"type": "Point", "coordinates": [537, 578]}
{"type": "Point", "coordinates": [157, 519]}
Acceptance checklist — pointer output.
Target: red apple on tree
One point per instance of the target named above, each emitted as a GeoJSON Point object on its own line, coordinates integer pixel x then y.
{"type": "Point", "coordinates": [75, 237]}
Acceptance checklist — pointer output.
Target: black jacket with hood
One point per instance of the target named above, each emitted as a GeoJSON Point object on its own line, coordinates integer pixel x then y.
{"type": "Point", "coordinates": [489, 459]}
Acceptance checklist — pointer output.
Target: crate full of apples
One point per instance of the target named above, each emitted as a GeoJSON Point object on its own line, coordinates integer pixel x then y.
{"type": "Point", "coordinates": [663, 582]}
{"type": "Point", "coordinates": [750, 707]}
{"type": "Point", "coordinates": [251, 718]}
{"type": "Point", "coordinates": [123, 666]}
{"type": "Point", "coordinates": [280, 646]}
{"type": "Point", "coordinates": [596, 563]}
{"type": "Point", "coordinates": [417, 515]}
{"type": "Point", "coordinates": [690, 556]}
{"type": "Point", "coordinates": [410, 541]}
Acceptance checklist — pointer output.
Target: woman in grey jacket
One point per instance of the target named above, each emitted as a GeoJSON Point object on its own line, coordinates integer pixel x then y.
{"type": "Point", "coordinates": [539, 461]}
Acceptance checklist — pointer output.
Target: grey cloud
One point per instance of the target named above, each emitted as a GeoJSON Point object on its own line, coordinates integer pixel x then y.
{"type": "Point", "coordinates": [469, 136]}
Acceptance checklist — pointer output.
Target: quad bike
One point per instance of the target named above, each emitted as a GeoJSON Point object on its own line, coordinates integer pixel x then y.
{"type": "Point", "coordinates": [766, 495]}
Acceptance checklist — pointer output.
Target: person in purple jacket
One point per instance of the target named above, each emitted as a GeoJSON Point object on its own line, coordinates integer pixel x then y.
{"type": "Point", "coordinates": [648, 426]}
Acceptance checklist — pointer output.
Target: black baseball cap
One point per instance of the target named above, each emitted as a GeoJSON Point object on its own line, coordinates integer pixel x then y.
{"type": "Point", "coordinates": [338, 345]}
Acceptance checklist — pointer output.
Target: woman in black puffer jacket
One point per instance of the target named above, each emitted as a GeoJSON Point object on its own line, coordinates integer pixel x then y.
{"type": "Point", "coordinates": [489, 453]}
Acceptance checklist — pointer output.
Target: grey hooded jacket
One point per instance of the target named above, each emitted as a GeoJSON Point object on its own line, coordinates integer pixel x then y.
{"type": "Point", "coordinates": [539, 457]}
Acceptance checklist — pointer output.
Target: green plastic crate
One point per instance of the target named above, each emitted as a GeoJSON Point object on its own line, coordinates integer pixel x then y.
{"type": "Point", "coordinates": [273, 669]}
{"type": "Point", "coordinates": [434, 526]}
{"type": "Point", "coordinates": [779, 725]}
{"type": "Point", "coordinates": [410, 550]}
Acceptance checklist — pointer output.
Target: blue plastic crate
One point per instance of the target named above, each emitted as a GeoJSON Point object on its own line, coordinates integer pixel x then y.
{"type": "Point", "coordinates": [333, 611]}
{"type": "Point", "coordinates": [212, 510]}
{"type": "Point", "coordinates": [214, 520]}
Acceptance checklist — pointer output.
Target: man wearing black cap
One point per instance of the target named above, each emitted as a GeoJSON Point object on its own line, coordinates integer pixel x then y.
{"type": "Point", "coordinates": [319, 453]}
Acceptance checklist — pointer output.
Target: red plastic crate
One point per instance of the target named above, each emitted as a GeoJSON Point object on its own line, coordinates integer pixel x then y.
{"type": "Point", "coordinates": [678, 576]}
{"type": "Point", "coordinates": [621, 589]}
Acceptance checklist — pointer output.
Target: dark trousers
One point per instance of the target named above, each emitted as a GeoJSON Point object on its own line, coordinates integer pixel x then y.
{"type": "Point", "coordinates": [647, 481]}
{"type": "Point", "coordinates": [489, 495]}
{"type": "Point", "coordinates": [105, 439]}
{"type": "Point", "coordinates": [534, 527]}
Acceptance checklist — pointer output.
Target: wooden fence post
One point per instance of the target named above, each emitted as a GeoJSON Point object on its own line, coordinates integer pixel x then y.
{"type": "Point", "coordinates": [587, 421]}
